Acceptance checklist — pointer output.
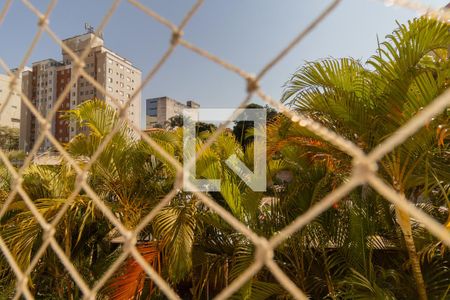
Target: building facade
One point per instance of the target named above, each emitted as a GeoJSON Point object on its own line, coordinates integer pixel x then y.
{"type": "Point", "coordinates": [48, 79]}
{"type": "Point", "coordinates": [160, 110]}
{"type": "Point", "coordinates": [9, 112]}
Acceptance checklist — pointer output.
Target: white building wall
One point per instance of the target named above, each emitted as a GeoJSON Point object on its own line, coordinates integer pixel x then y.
{"type": "Point", "coordinates": [122, 80]}
{"type": "Point", "coordinates": [10, 116]}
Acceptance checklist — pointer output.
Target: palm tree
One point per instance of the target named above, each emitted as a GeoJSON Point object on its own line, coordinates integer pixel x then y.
{"type": "Point", "coordinates": [126, 176]}
{"type": "Point", "coordinates": [367, 105]}
{"type": "Point", "coordinates": [49, 187]}
{"type": "Point", "coordinates": [358, 249]}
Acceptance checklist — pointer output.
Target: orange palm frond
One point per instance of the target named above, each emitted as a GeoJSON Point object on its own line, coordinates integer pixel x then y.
{"type": "Point", "coordinates": [442, 133]}
{"type": "Point", "coordinates": [131, 282]}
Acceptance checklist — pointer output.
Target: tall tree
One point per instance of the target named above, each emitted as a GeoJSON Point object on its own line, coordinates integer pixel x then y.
{"type": "Point", "coordinates": [242, 130]}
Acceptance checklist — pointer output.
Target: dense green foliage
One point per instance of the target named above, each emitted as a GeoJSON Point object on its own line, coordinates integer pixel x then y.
{"type": "Point", "coordinates": [361, 248]}
{"type": "Point", "coordinates": [9, 138]}
{"type": "Point", "coordinates": [177, 122]}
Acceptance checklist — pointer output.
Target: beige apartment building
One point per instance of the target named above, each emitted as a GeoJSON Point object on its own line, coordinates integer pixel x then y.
{"type": "Point", "coordinates": [10, 114]}
{"type": "Point", "coordinates": [160, 110]}
{"type": "Point", "coordinates": [48, 78]}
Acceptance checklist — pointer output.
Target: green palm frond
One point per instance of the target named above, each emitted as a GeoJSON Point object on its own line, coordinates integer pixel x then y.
{"type": "Point", "coordinates": [96, 115]}
{"type": "Point", "coordinates": [175, 226]}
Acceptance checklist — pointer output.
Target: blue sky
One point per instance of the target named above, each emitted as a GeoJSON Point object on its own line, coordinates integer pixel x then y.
{"type": "Point", "coordinates": [247, 33]}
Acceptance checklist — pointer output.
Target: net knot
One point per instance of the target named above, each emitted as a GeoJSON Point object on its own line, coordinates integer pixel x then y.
{"type": "Point", "coordinates": [176, 36]}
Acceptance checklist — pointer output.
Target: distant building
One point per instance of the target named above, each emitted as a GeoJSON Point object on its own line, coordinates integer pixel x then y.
{"type": "Point", "coordinates": [47, 79]}
{"type": "Point", "coordinates": [10, 115]}
{"type": "Point", "coordinates": [160, 110]}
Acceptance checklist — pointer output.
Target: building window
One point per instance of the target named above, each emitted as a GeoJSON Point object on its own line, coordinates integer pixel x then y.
{"type": "Point", "coordinates": [121, 84]}
{"type": "Point", "coordinates": [110, 61]}
{"type": "Point", "coordinates": [110, 80]}
{"type": "Point", "coordinates": [110, 71]}
{"type": "Point", "coordinates": [110, 89]}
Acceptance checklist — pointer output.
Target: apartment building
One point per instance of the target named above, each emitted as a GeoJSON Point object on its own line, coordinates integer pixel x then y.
{"type": "Point", "coordinates": [160, 110]}
{"type": "Point", "coordinates": [10, 112]}
{"type": "Point", "coordinates": [47, 80]}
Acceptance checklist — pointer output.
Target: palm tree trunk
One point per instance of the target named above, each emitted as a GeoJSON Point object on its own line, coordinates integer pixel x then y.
{"type": "Point", "coordinates": [405, 224]}
{"type": "Point", "coordinates": [225, 271]}
{"type": "Point", "coordinates": [69, 288]}
{"type": "Point", "coordinates": [328, 277]}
